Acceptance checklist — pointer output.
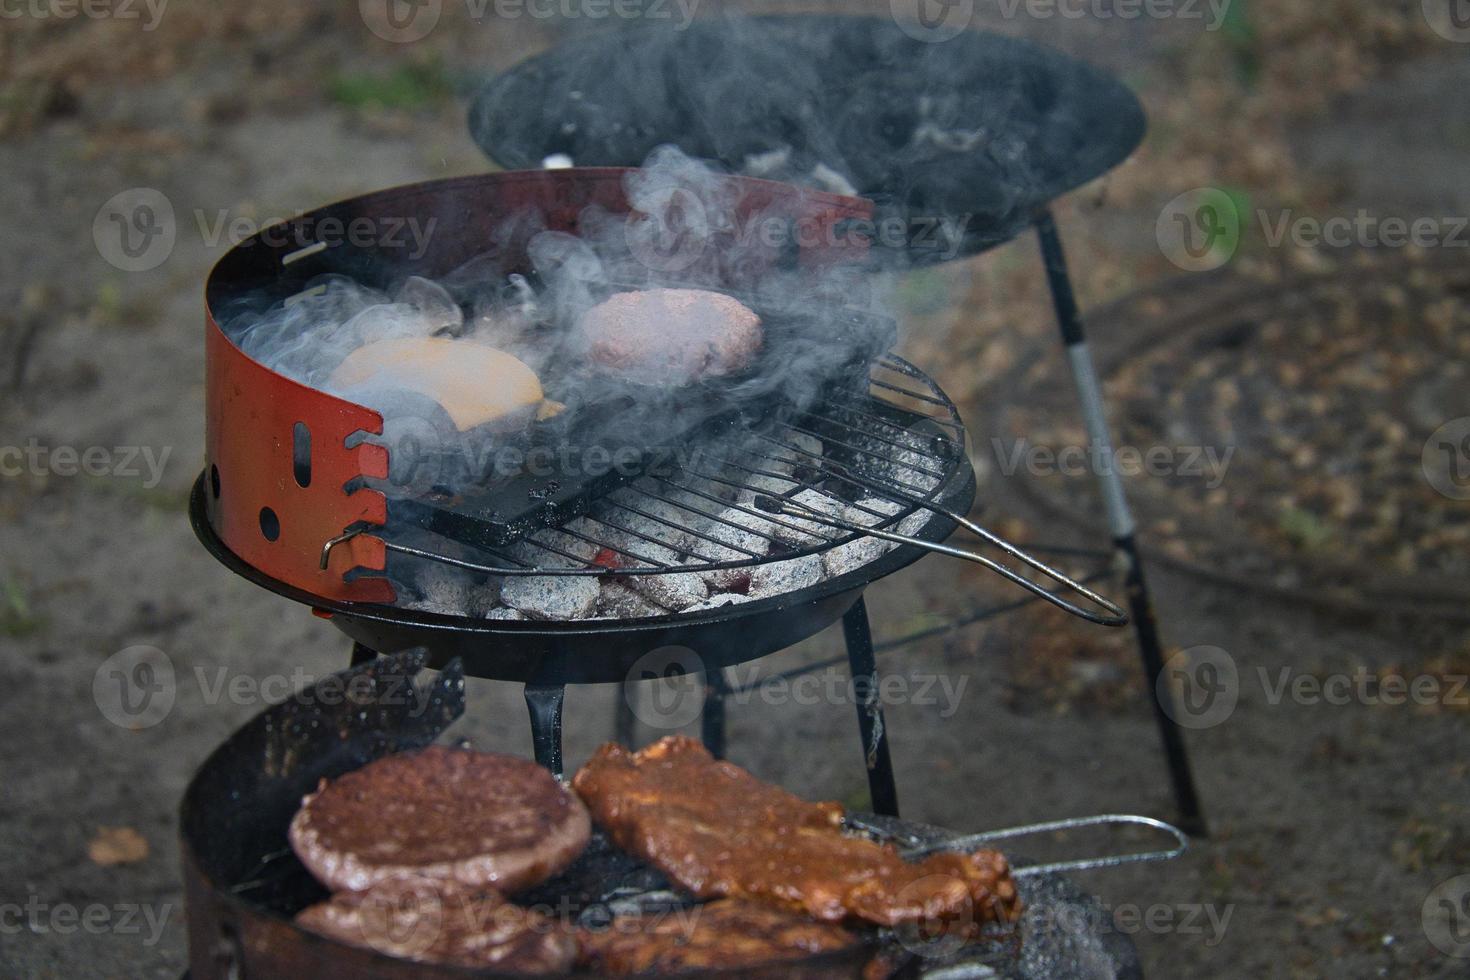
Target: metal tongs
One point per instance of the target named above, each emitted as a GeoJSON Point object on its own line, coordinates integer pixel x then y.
{"type": "Point", "coordinates": [912, 846]}
{"type": "Point", "coordinates": [1114, 615]}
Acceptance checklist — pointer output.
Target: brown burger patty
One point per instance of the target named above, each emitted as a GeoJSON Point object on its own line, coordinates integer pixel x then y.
{"type": "Point", "coordinates": [671, 336]}
{"type": "Point", "coordinates": [442, 922]}
{"type": "Point", "coordinates": [717, 831]}
{"type": "Point", "coordinates": [478, 818]}
{"type": "Point", "coordinates": [725, 933]}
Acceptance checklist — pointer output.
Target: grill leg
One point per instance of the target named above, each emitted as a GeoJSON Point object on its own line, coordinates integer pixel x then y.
{"type": "Point", "coordinates": [1120, 522]}
{"type": "Point", "coordinates": [362, 654]}
{"type": "Point", "coordinates": [625, 723]}
{"type": "Point", "coordinates": [864, 667]}
{"type": "Point", "coordinates": [544, 701]}
{"type": "Point", "coordinates": [712, 719]}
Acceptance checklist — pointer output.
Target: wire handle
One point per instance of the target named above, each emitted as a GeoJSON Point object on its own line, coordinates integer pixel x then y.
{"type": "Point", "coordinates": [1113, 615]}
{"type": "Point", "coordinates": [971, 841]}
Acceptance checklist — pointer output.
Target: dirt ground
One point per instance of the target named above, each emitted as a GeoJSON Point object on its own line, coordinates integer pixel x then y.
{"type": "Point", "coordinates": [1340, 839]}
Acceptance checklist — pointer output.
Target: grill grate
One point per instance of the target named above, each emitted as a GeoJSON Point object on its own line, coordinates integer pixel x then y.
{"type": "Point", "coordinates": [871, 460]}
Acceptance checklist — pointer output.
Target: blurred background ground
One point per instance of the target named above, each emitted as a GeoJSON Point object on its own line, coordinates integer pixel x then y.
{"type": "Point", "coordinates": [1332, 823]}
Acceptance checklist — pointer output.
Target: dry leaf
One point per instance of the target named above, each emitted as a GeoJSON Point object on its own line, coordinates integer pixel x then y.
{"type": "Point", "coordinates": [117, 845]}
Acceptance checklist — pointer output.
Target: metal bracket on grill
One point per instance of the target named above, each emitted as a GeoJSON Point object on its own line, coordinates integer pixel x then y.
{"type": "Point", "coordinates": [1115, 616]}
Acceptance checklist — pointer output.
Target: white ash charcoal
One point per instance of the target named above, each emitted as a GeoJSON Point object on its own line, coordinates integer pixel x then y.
{"type": "Point", "coordinates": [854, 555]}
{"type": "Point", "coordinates": [720, 602]}
{"type": "Point", "coordinates": [808, 529]}
{"type": "Point", "coordinates": [673, 590]}
{"type": "Point", "coordinates": [631, 549]}
{"type": "Point", "coordinates": [780, 577]}
{"type": "Point", "coordinates": [529, 554]}
{"type": "Point", "coordinates": [555, 597]}
{"type": "Point", "coordinates": [483, 597]}
{"type": "Point", "coordinates": [915, 522]}
{"type": "Point", "coordinates": [802, 450]}
{"type": "Point", "coordinates": [882, 505]}
{"type": "Point", "coordinates": [616, 601]}
{"type": "Point", "coordinates": [735, 529]}
{"type": "Point", "coordinates": [756, 485]}
{"type": "Point", "coordinates": [910, 472]}
{"type": "Point", "coordinates": [504, 612]}
{"type": "Point", "coordinates": [443, 590]}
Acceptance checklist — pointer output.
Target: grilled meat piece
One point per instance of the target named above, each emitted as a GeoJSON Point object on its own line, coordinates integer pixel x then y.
{"type": "Point", "coordinates": [442, 922]}
{"type": "Point", "coordinates": [671, 336]}
{"type": "Point", "coordinates": [726, 933]}
{"type": "Point", "coordinates": [478, 818]}
{"type": "Point", "coordinates": [717, 831]}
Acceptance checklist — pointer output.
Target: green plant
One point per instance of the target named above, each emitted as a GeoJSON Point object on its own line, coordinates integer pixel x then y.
{"type": "Point", "coordinates": [414, 85]}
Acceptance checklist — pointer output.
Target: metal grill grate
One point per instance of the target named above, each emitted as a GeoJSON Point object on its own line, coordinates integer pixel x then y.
{"type": "Point", "coordinates": [865, 460]}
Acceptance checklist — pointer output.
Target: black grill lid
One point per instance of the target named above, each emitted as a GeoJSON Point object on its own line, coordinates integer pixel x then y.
{"type": "Point", "coordinates": [981, 128]}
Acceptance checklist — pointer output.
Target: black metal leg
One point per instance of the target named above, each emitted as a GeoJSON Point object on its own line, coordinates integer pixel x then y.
{"type": "Point", "coordinates": [544, 701]}
{"type": "Point", "coordinates": [625, 723]}
{"type": "Point", "coordinates": [712, 719]}
{"type": "Point", "coordinates": [859, 637]}
{"type": "Point", "coordinates": [1120, 521]}
{"type": "Point", "coordinates": [362, 654]}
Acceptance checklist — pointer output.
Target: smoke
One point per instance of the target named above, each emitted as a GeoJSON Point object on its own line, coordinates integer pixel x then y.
{"type": "Point", "coordinates": [691, 228]}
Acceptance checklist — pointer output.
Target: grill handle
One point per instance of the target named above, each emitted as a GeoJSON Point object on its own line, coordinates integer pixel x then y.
{"type": "Point", "coordinates": [970, 842]}
{"type": "Point", "coordinates": [1112, 615]}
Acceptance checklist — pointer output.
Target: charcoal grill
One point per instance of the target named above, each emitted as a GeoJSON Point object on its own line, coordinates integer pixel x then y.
{"type": "Point", "coordinates": [243, 884]}
{"type": "Point", "coordinates": [307, 526]}
{"type": "Point", "coordinates": [287, 500]}
{"type": "Point", "coordinates": [977, 126]}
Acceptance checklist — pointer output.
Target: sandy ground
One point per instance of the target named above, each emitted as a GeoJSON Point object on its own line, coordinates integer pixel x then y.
{"type": "Point", "coordinates": [1333, 825]}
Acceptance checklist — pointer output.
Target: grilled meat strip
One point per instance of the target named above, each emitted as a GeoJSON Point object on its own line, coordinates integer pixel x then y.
{"type": "Point", "coordinates": [717, 831]}
{"type": "Point", "coordinates": [478, 818]}
{"type": "Point", "coordinates": [722, 934]}
{"type": "Point", "coordinates": [435, 921]}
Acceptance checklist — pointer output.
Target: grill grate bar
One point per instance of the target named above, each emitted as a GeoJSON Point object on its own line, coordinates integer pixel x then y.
{"type": "Point", "coordinates": [834, 469]}
{"type": "Point", "coordinates": [874, 455]}
{"type": "Point", "coordinates": [758, 515]}
{"type": "Point", "coordinates": [602, 519]}
{"type": "Point", "coordinates": [627, 552]}
{"type": "Point", "coordinates": [681, 527]}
